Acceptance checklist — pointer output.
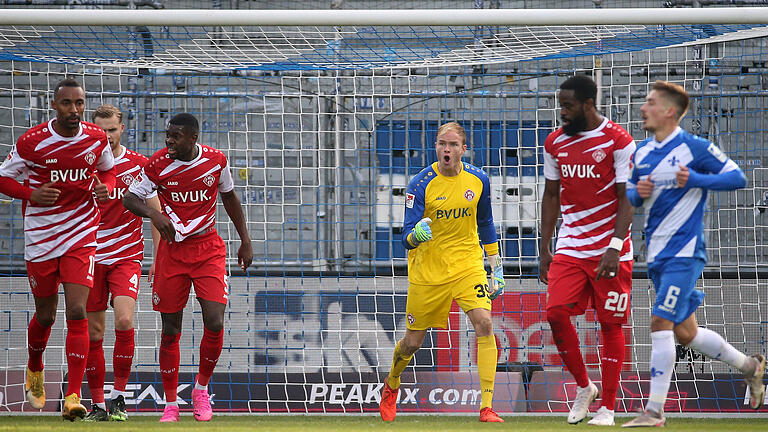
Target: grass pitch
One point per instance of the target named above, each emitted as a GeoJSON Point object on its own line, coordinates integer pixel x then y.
{"type": "Point", "coordinates": [251, 423]}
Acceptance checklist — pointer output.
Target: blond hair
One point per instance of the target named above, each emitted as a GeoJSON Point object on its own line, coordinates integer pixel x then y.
{"type": "Point", "coordinates": [673, 93]}
{"type": "Point", "coordinates": [454, 126]}
{"type": "Point", "coordinates": [107, 111]}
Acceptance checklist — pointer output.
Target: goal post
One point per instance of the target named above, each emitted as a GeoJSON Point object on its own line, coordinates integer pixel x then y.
{"type": "Point", "coordinates": [324, 116]}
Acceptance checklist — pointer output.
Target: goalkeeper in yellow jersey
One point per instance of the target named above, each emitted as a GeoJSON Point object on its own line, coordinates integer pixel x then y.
{"type": "Point", "coordinates": [447, 218]}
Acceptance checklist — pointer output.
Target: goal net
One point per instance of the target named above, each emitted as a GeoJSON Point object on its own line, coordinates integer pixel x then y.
{"type": "Point", "coordinates": [324, 121]}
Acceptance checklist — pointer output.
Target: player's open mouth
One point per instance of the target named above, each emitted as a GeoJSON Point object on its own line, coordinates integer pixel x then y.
{"type": "Point", "coordinates": [446, 158]}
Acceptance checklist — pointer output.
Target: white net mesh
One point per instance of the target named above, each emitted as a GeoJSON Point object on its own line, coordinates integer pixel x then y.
{"type": "Point", "coordinates": [323, 128]}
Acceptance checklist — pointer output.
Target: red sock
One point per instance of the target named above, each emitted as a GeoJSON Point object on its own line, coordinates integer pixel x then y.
{"type": "Point", "coordinates": [169, 365]}
{"type": "Point", "coordinates": [210, 350]}
{"type": "Point", "coordinates": [76, 347]}
{"type": "Point", "coordinates": [95, 370]}
{"type": "Point", "coordinates": [122, 357]}
{"type": "Point", "coordinates": [37, 339]}
{"type": "Point", "coordinates": [567, 341]}
{"type": "Point", "coordinates": [612, 360]}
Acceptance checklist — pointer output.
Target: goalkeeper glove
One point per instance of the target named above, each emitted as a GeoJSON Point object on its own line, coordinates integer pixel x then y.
{"type": "Point", "coordinates": [421, 232]}
{"type": "Point", "coordinates": [497, 277]}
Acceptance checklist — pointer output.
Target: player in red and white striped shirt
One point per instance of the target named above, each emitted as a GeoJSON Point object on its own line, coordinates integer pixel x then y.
{"type": "Point", "coordinates": [187, 177]}
{"type": "Point", "coordinates": [60, 161]}
{"type": "Point", "coordinates": [118, 270]}
{"type": "Point", "coordinates": [586, 166]}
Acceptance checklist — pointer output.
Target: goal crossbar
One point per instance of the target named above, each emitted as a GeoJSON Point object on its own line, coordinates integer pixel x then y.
{"type": "Point", "coordinates": [395, 17]}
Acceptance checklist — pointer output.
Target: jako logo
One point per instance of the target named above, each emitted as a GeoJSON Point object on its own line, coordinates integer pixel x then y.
{"type": "Point", "coordinates": [578, 171]}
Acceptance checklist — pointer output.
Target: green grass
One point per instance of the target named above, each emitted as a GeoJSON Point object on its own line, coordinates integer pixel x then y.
{"type": "Point", "coordinates": [350, 423]}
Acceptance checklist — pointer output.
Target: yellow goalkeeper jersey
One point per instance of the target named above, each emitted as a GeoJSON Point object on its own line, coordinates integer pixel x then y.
{"type": "Point", "coordinates": [460, 209]}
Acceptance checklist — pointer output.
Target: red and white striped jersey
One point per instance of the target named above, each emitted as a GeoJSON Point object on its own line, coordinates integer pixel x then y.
{"type": "Point", "coordinates": [42, 156]}
{"type": "Point", "coordinates": [588, 166]}
{"type": "Point", "coordinates": [187, 190]}
{"type": "Point", "coordinates": [120, 236]}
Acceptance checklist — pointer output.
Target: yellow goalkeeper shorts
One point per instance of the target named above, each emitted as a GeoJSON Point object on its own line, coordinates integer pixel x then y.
{"type": "Point", "coordinates": [429, 305]}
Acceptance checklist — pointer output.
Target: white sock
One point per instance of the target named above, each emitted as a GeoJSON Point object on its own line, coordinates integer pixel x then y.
{"type": "Point", "coordinates": [200, 387]}
{"type": "Point", "coordinates": [116, 394]}
{"type": "Point", "coordinates": [662, 367]}
{"type": "Point", "coordinates": [712, 345]}
{"type": "Point", "coordinates": [174, 403]}
{"type": "Point", "coordinates": [102, 405]}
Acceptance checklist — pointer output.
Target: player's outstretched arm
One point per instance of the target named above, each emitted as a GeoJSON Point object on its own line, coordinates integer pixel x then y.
{"type": "Point", "coordinates": [137, 206]}
{"type": "Point", "coordinates": [235, 211]}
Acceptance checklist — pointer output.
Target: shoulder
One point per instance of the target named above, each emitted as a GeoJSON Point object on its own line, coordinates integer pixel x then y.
{"type": "Point", "coordinates": [136, 157]}
{"type": "Point", "coordinates": [551, 138]}
{"type": "Point", "coordinates": [476, 172]}
{"type": "Point", "coordinates": [34, 135]}
{"type": "Point", "coordinates": [158, 160]}
{"type": "Point", "coordinates": [93, 130]}
{"type": "Point", "coordinates": [643, 148]}
{"type": "Point", "coordinates": [643, 144]}
{"type": "Point", "coordinates": [212, 153]}
{"type": "Point", "coordinates": [694, 142]}
{"type": "Point", "coordinates": [420, 180]}
{"type": "Point", "coordinates": [620, 136]}
{"type": "Point", "coordinates": [702, 147]}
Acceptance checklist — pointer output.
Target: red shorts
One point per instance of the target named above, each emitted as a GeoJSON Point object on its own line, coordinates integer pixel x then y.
{"type": "Point", "coordinates": [198, 260]}
{"type": "Point", "coordinates": [75, 267]}
{"type": "Point", "coordinates": [572, 280]}
{"type": "Point", "coordinates": [118, 279]}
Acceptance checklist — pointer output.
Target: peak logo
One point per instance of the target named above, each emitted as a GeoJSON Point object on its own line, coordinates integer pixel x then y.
{"type": "Point", "coordinates": [342, 394]}
{"type": "Point", "coordinates": [136, 394]}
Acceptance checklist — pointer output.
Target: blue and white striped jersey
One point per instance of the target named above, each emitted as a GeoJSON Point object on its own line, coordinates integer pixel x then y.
{"type": "Point", "coordinates": [674, 217]}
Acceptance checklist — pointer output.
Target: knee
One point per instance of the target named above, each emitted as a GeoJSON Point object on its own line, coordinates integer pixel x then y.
{"type": "Point", "coordinates": [483, 327]}
{"type": "Point", "coordinates": [215, 327]}
{"type": "Point", "coordinates": [95, 331]}
{"type": "Point", "coordinates": [410, 345]}
{"type": "Point", "coordinates": [557, 316]}
{"type": "Point", "coordinates": [45, 318]}
{"type": "Point", "coordinates": [684, 336]}
{"type": "Point", "coordinates": [123, 322]}
{"type": "Point", "coordinates": [76, 312]}
{"type": "Point", "coordinates": [215, 324]}
{"type": "Point", "coordinates": [171, 328]}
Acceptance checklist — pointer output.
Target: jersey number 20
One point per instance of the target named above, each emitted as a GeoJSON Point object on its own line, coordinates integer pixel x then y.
{"type": "Point", "coordinates": [617, 302]}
